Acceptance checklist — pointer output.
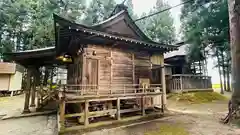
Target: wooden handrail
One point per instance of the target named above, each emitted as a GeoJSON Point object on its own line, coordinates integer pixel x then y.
{"type": "Point", "coordinates": [108, 85]}
{"type": "Point", "coordinates": [189, 75]}
{"type": "Point", "coordinates": [104, 90]}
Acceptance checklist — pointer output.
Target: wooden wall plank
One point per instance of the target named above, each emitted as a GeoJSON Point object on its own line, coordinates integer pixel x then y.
{"type": "Point", "coordinates": [133, 68]}
{"type": "Point", "coordinates": [119, 66]}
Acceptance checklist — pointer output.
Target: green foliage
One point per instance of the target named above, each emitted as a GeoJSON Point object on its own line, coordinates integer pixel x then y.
{"type": "Point", "coordinates": [28, 24]}
{"type": "Point", "coordinates": [205, 25]}
{"type": "Point", "coordinates": [197, 97]}
{"type": "Point", "coordinates": [99, 10]}
{"type": "Point", "coordinates": [159, 27]}
{"type": "Point", "coordinates": [129, 4]}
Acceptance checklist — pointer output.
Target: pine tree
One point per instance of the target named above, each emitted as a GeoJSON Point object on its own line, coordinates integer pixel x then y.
{"type": "Point", "coordinates": [98, 10]}
{"type": "Point", "coordinates": [159, 27]}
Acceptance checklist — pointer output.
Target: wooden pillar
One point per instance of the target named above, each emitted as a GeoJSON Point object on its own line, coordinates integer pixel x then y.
{"type": "Point", "coordinates": [143, 106]}
{"type": "Point", "coordinates": [51, 82]}
{"type": "Point", "coordinates": [111, 71]}
{"type": "Point", "coordinates": [12, 94]}
{"type": "Point", "coordinates": [158, 59]}
{"type": "Point", "coordinates": [27, 91]}
{"type": "Point", "coordinates": [83, 71]}
{"type": "Point", "coordinates": [118, 115]}
{"type": "Point", "coordinates": [133, 69]}
{"type": "Point", "coordinates": [62, 114]}
{"type": "Point", "coordinates": [163, 82]}
{"type": "Point", "coordinates": [39, 96]}
{"type": "Point", "coordinates": [33, 89]}
{"type": "Point", "coordinates": [86, 122]}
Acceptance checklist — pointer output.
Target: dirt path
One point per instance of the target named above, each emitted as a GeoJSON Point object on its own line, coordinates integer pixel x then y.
{"type": "Point", "coordinates": [198, 119]}
{"type": "Point", "coordinates": [37, 125]}
{"type": "Point", "coordinates": [204, 119]}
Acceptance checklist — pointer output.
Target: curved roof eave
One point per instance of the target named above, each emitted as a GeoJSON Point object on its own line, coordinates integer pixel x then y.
{"type": "Point", "coordinates": [91, 30]}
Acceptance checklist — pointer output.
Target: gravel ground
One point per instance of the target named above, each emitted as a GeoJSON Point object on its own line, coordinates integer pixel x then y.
{"type": "Point", "coordinates": [36, 125]}
{"type": "Point", "coordinates": [198, 119]}
{"type": "Point", "coordinates": [194, 124]}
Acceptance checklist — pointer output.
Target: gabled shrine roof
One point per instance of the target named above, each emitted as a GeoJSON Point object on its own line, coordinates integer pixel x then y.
{"type": "Point", "coordinates": [121, 24]}
{"type": "Point", "coordinates": [119, 27]}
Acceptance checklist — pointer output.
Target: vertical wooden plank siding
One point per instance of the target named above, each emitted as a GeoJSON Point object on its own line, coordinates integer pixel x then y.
{"type": "Point", "coordinates": [102, 54]}
{"type": "Point", "coordinates": [142, 65]}
{"type": "Point", "coordinates": [116, 67]}
{"type": "Point", "coordinates": [78, 70]}
{"type": "Point", "coordinates": [122, 69]}
{"type": "Point", "coordinates": [74, 73]}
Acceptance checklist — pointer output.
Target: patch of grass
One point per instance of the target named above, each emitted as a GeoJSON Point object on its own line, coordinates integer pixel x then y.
{"type": "Point", "coordinates": [169, 129]}
{"type": "Point", "coordinates": [5, 99]}
{"type": "Point", "coordinates": [197, 97]}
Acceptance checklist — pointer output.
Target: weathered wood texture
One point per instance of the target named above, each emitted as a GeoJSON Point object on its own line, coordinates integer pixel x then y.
{"type": "Point", "coordinates": [74, 74]}
{"type": "Point", "coordinates": [108, 70]}
{"type": "Point", "coordinates": [181, 82]}
{"type": "Point", "coordinates": [115, 67]}
{"type": "Point", "coordinates": [7, 68]}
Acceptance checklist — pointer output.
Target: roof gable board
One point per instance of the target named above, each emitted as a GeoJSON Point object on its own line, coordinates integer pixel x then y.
{"type": "Point", "coordinates": [122, 24]}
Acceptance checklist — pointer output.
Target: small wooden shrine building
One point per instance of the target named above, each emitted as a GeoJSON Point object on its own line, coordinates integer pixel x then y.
{"type": "Point", "coordinates": [113, 68]}
{"type": "Point", "coordinates": [183, 76]}
{"type": "Point", "coordinates": [10, 77]}
{"type": "Point", "coordinates": [111, 61]}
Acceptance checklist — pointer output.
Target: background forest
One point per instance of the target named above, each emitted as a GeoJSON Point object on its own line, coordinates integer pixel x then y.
{"type": "Point", "coordinates": [28, 24]}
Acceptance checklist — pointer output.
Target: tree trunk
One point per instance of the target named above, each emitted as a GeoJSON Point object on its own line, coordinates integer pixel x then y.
{"type": "Point", "coordinates": [228, 78]}
{"type": "Point", "coordinates": [224, 71]}
{"type": "Point", "coordinates": [200, 68]}
{"type": "Point", "coordinates": [194, 68]}
{"type": "Point", "coordinates": [219, 71]}
{"type": "Point", "coordinates": [1, 57]}
{"type": "Point", "coordinates": [234, 20]}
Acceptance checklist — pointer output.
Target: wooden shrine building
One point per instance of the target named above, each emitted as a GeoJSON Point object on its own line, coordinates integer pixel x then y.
{"type": "Point", "coordinates": [183, 75]}
{"type": "Point", "coordinates": [113, 68]}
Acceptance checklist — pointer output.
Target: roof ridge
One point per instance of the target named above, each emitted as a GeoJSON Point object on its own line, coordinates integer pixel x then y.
{"type": "Point", "coordinates": [108, 19]}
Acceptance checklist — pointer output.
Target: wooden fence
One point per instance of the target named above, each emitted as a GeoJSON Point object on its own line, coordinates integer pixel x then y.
{"type": "Point", "coordinates": [183, 82]}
